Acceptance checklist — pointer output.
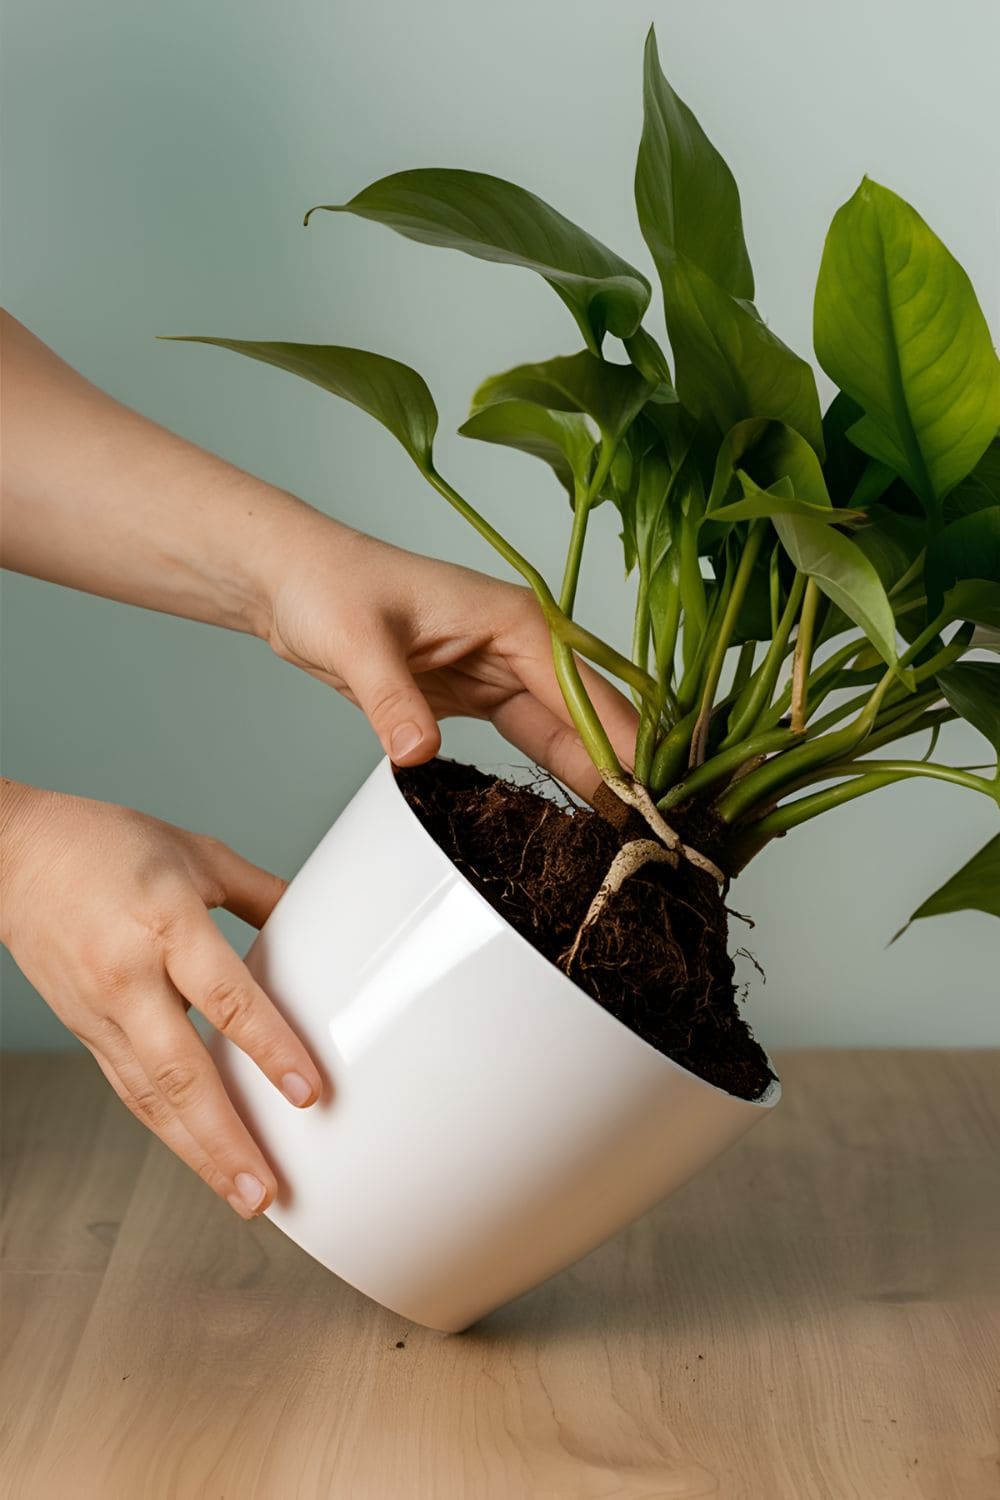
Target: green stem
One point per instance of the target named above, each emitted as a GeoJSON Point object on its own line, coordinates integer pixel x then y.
{"type": "Point", "coordinates": [741, 582]}
{"type": "Point", "coordinates": [820, 684]}
{"type": "Point", "coordinates": [761, 686]}
{"type": "Point", "coordinates": [803, 656]}
{"type": "Point", "coordinates": [761, 785]}
{"type": "Point", "coordinates": [723, 766]}
{"type": "Point", "coordinates": [672, 752]}
{"type": "Point", "coordinates": [568, 631]}
{"type": "Point", "coordinates": [640, 627]}
{"type": "Point", "coordinates": [571, 572]}
{"type": "Point", "coordinates": [583, 713]}
{"type": "Point", "coordinates": [583, 501]}
{"type": "Point", "coordinates": [907, 768]}
{"type": "Point", "coordinates": [888, 772]}
{"type": "Point", "coordinates": [566, 635]}
{"type": "Point", "coordinates": [744, 667]}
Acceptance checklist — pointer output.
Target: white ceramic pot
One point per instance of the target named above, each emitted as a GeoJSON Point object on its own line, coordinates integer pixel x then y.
{"type": "Point", "coordinates": [485, 1123]}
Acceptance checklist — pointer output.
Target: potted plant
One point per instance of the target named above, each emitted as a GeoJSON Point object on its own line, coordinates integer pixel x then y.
{"type": "Point", "coordinates": [809, 588]}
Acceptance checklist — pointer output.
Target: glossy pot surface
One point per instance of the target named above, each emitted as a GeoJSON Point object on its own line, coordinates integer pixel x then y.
{"type": "Point", "coordinates": [485, 1123]}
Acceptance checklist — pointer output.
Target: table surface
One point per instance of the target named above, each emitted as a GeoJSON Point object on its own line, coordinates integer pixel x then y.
{"type": "Point", "coordinates": [817, 1315]}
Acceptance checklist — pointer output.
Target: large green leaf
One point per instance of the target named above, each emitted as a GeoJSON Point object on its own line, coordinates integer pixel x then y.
{"type": "Point", "coordinates": [975, 887]}
{"type": "Point", "coordinates": [496, 220]}
{"type": "Point", "coordinates": [768, 451]}
{"type": "Point", "coordinates": [846, 576]}
{"type": "Point", "coordinates": [898, 327]}
{"type": "Point", "coordinates": [561, 439]}
{"type": "Point", "coordinates": [390, 392]}
{"type": "Point", "coordinates": [729, 365]}
{"type": "Point", "coordinates": [687, 199]}
{"type": "Point", "coordinates": [973, 690]}
{"type": "Point", "coordinates": [968, 548]}
{"type": "Point", "coordinates": [611, 394]}
{"type": "Point", "coordinates": [979, 490]}
{"type": "Point", "coordinates": [974, 599]}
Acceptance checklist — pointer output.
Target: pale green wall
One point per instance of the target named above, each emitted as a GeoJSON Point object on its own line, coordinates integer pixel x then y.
{"type": "Point", "coordinates": [158, 159]}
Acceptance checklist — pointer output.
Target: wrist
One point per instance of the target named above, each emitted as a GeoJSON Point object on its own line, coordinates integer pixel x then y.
{"type": "Point", "coordinates": [304, 547]}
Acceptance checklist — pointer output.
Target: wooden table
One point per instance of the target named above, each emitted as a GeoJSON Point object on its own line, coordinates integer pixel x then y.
{"type": "Point", "coordinates": [817, 1316]}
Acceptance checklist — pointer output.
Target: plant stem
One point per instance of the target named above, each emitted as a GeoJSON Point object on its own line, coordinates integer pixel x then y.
{"type": "Point", "coordinates": [744, 667]}
{"type": "Point", "coordinates": [885, 773]}
{"type": "Point", "coordinates": [725, 764]}
{"type": "Point", "coordinates": [571, 573]}
{"type": "Point", "coordinates": [568, 631]}
{"type": "Point", "coordinates": [739, 799]}
{"type": "Point", "coordinates": [761, 686]}
{"type": "Point", "coordinates": [803, 655]}
{"type": "Point", "coordinates": [699, 739]}
{"type": "Point", "coordinates": [583, 501]}
{"type": "Point", "coordinates": [672, 752]}
{"type": "Point", "coordinates": [581, 709]}
{"type": "Point", "coordinates": [907, 768]}
{"type": "Point", "coordinates": [640, 627]}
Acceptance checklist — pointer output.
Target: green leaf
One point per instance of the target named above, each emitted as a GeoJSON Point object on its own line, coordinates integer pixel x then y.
{"type": "Point", "coordinates": [973, 690]}
{"type": "Point", "coordinates": [968, 548]}
{"type": "Point", "coordinates": [846, 576]}
{"type": "Point", "coordinates": [561, 439]}
{"type": "Point", "coordinates": [763, 504]}
{"type": "Point", "coordinates": [390, 392]}
{"type": "Point", "coordinates": [649, 359]}
{"type": "Point", "coordinates": [611, 394]}
{"type": "Point", "coordinates": [975, 887]}
{"type": "Point", "coordinates": [979, 490]}
{"type": "Point", "coordinates": [729, 364]}
{"type": "Point", "coordinates": [974, 599]}
{"type": "Point", "coordinates": [767, 451]}
{"type": "Point", "coordinates": [687, 199]}
{"type": "Point", "coordinates": [647, 525]}
{"type": "Point", "coordinates": [495, 220]}
{"type": "Point", "coordinates": [898, 327]}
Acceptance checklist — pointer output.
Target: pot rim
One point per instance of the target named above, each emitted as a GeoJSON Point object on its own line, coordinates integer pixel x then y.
{"type": "Point", "coordinates": [767, 1100]}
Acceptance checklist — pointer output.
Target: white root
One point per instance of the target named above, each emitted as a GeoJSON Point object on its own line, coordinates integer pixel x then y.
{"type": "Point", "coordinates": [636, 796]}
{"type": "Point", "coordinates": [630, 858]}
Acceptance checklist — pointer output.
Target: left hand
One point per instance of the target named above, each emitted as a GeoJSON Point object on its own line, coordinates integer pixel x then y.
{"type": "Point", "coordinates": [412, 640]}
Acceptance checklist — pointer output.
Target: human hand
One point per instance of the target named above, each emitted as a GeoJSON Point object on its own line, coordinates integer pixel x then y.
{"type": "Point", "coordinates": [412, 640]}
{"type": "Point", "coordinates": [106, 912]}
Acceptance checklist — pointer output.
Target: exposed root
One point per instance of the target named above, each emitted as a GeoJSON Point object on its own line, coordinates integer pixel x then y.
{"type": "Point", "coordinates": [636, 795]}
{"type": "Point", "coordinates": [630, 858]}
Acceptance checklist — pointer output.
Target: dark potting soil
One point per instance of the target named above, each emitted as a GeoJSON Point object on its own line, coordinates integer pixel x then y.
{"type": "Point", "coordinates": [657, 957]}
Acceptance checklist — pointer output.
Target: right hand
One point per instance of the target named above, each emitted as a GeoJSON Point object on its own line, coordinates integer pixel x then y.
{"type": "Point", "coordinates": [106, 912]}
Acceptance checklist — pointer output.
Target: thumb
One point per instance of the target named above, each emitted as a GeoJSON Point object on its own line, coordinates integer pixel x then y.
{"type": "Point", "coordinates": [396, 708]}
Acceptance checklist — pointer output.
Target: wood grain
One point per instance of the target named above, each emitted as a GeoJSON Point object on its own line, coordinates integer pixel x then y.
{"type": "Point", "coordinates": [815, 1318]}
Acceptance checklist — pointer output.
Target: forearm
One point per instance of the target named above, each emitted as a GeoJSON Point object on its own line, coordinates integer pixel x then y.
{"type": "Point", "coordinates": [97, 497]}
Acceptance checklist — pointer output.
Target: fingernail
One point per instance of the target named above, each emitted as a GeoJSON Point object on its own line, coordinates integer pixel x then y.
{"type": "Point", "coordinates": [404, 739]}
{"type": "Point", "coordinates": [251, 1190]}
{"type": "Point", "coordinates": [296, 1089]}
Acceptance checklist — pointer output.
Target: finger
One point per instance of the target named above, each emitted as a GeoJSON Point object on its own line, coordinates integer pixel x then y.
{"type": "Point", "coordinates": [133, 1088]}
{"type": "Point", "coordinates": [179, 1070]}
{"type": "Point", "coordinates": [530, 657]}
{"type": "Point", "coordinates": [249, 892]}
{"type": "Point", "coordinates": [548, 741]}
{"type": "Point", "coordinates": [619, 718]}
{"type": "Point", "coordinates": [382, 683]}
{"type": "Point", "coordinates": [211, 977]}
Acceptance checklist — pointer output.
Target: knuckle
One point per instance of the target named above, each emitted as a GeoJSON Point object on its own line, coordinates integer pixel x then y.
{"type": "Point", "coordinates": [159, 920]}
{"type": "Point", "coordinates": [385, 700]}
{"type": "Point", "coordinates": [178, 1082]}
{"type": "Point", "coordinates": [144, 1104]}
{"type": "Point", "coordinates": [228, 1004]}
